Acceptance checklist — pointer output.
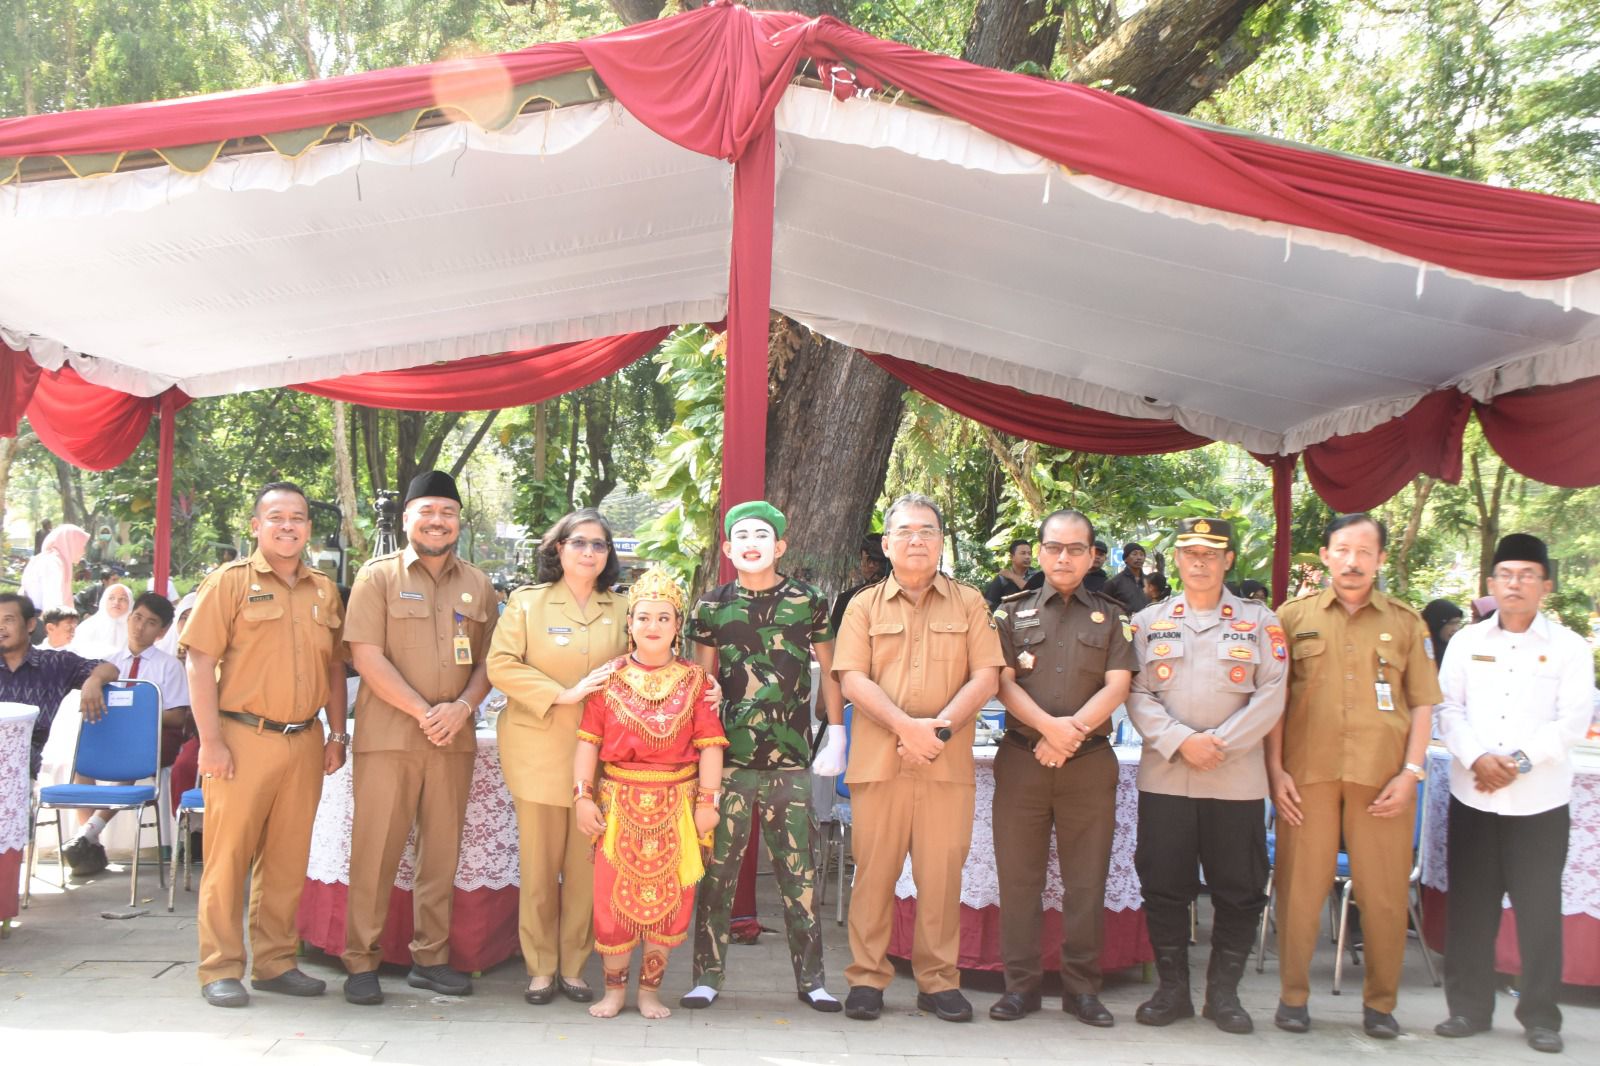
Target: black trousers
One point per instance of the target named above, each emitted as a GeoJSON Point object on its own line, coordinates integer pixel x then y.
{"type": "Point", "coordinates": [1491, 856]}
{"type": "Point", "coordinates": [1179, 836]}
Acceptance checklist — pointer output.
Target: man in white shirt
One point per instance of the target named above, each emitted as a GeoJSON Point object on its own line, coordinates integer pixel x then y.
{"type": "Point", "coordinates": [1518, 695]}
{"type": "Point", "coordinates": [140, 658]}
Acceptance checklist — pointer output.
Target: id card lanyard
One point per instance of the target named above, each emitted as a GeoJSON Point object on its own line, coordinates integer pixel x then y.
{"type": "Point", "coordinates": [1385, 693]}
{"type": "Point", "coordinates": [462, 643]}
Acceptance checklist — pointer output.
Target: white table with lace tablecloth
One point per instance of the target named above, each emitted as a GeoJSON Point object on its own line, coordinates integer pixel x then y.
{"type": "Point", "coordinates": [1126, 943]}
{"type": "Point", "coordinates": [16, 737]}
{"type": "Point", "coordinates": [483, 923]}
{"type": "Point", "coordinates": [1580, 880]}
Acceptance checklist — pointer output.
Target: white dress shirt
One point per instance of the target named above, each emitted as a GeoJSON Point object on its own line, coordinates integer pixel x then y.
{"type": "Point", "coordinates": [1504, 692]}
{"type": "Point", "coordinates": [155, 665]}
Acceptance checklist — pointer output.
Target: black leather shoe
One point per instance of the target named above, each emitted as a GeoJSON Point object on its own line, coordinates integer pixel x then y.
{"type": "Point", "coordinates": [228, 992]}
{"type": "Point", "coordinates": [291, 982]}
{"type": "Point", "coordinates": [950, 1005]}
{"type": "Point", "coordinates": [1292, 1019]}
{"type": "Point", "coordinates": [864, 1003]}
{"type": "Point", "coordinates": [540, 996]}
{"type": "Point", "coordinates": [1014, 1005]}
{"type": "Point", "coordinates": [85, 857]}
{"type": "Point", "coordinates": [1546, 1040]}
{"type": "Point", "coordinates": [576, 993]}
{"type": "Point", "coordinates": [826, 1006]}
{"type": "Point", "coordinates": [363, 989]}
{"type": "Point", "coordinates": [441, 979]}
{"type": "Point", "coordinates": [1379, 1024]}
{"type": "Point", "coordinates": [1087, 1008]}
{"type": "Point", "coordinates": [1457, 1026]}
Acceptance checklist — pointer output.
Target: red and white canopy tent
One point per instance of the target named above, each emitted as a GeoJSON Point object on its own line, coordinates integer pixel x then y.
{"type": "Point", "coordinates": [1060, 263]}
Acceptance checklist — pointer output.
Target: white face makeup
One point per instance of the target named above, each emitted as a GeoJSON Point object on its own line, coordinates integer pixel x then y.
{"type": "Point", "coordinates": [752, 545]}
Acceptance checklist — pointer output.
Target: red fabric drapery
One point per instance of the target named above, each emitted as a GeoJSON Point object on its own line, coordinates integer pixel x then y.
{"type": "Point", "coordinates": [1361, 470]}
{"type": "Point", "coordinates": [90, 425]}
{"type": "Point", "coordinates": [19, 375]}
{"type": "Point", "coordinates": [1547, 433]}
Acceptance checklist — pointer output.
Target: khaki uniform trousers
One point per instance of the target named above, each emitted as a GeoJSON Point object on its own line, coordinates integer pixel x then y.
{"type": "Point", "coordinates": [932, 822]}
{"type": "Point", "coordinates": [556, 910]}
{"type": "Point", "coordinates": [1079, 802]}
{"type": "Point", "coordinates": [393, 791]}
{"type": "Point", "coordinates": [261, 817]}
{"type": "Point", "coordinates": [1380, 866]}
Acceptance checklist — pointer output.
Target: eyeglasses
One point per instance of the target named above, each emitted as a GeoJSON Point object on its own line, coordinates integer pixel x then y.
{"type": "Point", "coordinates": [1517, 577]}
{"type": "Point", "coordinates": [583, 546]}
{"type": "Point", "coordinates": [908, 535]}
{"type": "Point", "coordinates": [1075, 551]}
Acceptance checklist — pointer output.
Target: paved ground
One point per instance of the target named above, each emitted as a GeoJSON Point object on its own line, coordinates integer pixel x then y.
{"type": "Point", "coordinates": [77, 987]}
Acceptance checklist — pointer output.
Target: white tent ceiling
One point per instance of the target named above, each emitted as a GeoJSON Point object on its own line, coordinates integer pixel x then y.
{"type": "Point", "coordinates": [897, 230]}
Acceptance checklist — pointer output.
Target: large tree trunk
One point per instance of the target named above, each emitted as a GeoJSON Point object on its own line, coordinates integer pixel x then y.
{"type": "Point", "coordinates": [69, 483]}
{"type": "Point", "coordinates": [1173, 54]}
{"type": "Point", "coordinates": [1009, 33]}
{"type": "Point", "coordinates": [344, 479]}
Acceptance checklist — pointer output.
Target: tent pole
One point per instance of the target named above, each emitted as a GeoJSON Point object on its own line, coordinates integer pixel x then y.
{"type": "Point", "coordinates": [163, 553]}
{"type": "Point", "coordinates": [1283, 524]}
{"type": "Point", "coordinates": [744, 434]}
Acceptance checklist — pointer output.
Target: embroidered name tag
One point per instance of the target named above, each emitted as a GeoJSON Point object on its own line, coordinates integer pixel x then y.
{"type": "Point", "coordinates": [1483, 658]}
{"type": "Point", "coordinates": [1307, 634]}
{"type": "Point", "coordinates": [263, 596]}
{"type": "Point", "coordinates": [559, 629]}
{"type": "Point", "coordinates": [411, 595]}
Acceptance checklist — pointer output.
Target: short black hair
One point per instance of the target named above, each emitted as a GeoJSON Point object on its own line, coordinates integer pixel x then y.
{"type": "Point", "coordinates": [278, 486]}
{"type": "Point", "coordinates": [914, 499]}
{"type": "Point", "coordinates": [24, 604]}
{"type": "Point", "coordinates": [106, 574]}
{"type": "Point", "coordinates": [1020, 542]}
{"type": "Point", "coordinates": [157, 605]}
{"type": "Point", "coordinates": [1355, 518]}
{"type": "Point", "coordinates": [1159, 580]}
{"type": "Point", "coordinates": [547, 564]}
{"type": "Point", "coordinates": [54, 616]}
{"type": "Point", "coordinates": [1250, 586]}
{"type": "Point", "coordinates": [1068, 513]}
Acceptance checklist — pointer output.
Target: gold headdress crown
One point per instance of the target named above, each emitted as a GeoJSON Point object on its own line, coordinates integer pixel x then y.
{"type": "Point", "coordinates": [656, 584]}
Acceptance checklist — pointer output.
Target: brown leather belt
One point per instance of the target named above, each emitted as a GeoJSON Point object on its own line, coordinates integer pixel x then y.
{"type": "Point", "coordinates": [260, 724]}
{"type": "Point", "coordinates": [1089, 744]}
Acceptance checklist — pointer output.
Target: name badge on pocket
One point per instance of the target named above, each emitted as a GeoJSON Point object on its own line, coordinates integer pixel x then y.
{"type": "Point", "coordinates": [411, 595]}
{"type": "Point", "coordinates": [463, 646]}
{"type": "Point", "coordinates": [1385, 696]}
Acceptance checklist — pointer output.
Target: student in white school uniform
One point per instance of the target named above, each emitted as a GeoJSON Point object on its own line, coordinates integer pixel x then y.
{"type": "Point", "coordinates": [139, 658]}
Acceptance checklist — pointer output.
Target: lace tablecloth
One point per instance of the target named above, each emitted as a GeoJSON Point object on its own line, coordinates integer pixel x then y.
{"type": "Point", "coordinates": [1580, 881]}
{"type": "Point", "coordinates": [980, 884]}
{"type": "Point", "coordinates": [488, 843]}
{"type": "Point", "coordinates": [16, 734]}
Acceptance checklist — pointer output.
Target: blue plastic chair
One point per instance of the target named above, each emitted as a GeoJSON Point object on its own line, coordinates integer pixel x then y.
{"type": "Point", "coordinates": [191, 802]}
{"type": "Point", "coordinates": [124, 744]}
{"type": "Point", "coordinates": [837, 848]}
{"type": "Point", "coordinates": [1346, 886]}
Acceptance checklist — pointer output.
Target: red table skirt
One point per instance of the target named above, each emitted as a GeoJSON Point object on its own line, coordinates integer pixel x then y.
{"type": "Point", "coordinates": [483, 924]}
{"type": "Point", "coordinates": [1126, 943]}
{"type": "Point", "coordinates": [10, 872]}
{"type": "Point", "coordinates": [1580, 940]}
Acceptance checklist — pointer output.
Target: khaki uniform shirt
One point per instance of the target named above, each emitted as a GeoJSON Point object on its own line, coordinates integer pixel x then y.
{"type": "Point", "coordinates": [546, 643]}
{"type": "Point", "coordinates": [1225, 673]}
{"type": "Point", "coordinates": [397, 605]}
{"type": "Point", "coordinates": [274, 643]}
{"type": "Point", "coordinates": [1333, 730]}
{"type": "Point", "coordinates": [920, 655]}
{"type": "Point", "coordinates": [1061, 647]}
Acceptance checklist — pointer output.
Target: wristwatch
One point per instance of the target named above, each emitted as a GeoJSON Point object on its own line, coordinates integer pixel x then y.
{"type": "Point", "coordinates": [1418, 772]}
{"type": "Point", "coordinates": [1524, 764]}
{"type": "Point", "coordinates": [342, 738]}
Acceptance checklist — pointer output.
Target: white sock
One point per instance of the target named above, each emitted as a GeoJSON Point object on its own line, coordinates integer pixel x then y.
{"type": "Point", "coordinates": [820, 995]}
{"type": "Point", "coordinates": [91, 828]}
{"type": "Point", "coordinates": [705, 992]}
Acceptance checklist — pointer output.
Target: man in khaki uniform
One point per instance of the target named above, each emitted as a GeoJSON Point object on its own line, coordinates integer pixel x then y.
{"type": "Point", "coordinates": [264, 656]}
{"type": "Point", "coordinates": [418, 627]}
{"type": "Point", "coordinates": [1069, 662]}
{"type": "Point", "coordinates": [1345, 762]}
{"type": "Point", "coordinates": [1210, 686]}
{"type": "Point", "coordinates": [918, 656]}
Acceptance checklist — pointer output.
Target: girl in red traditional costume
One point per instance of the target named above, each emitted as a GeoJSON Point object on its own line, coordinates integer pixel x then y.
{"type": "Point", "coordinates": [655, 733]}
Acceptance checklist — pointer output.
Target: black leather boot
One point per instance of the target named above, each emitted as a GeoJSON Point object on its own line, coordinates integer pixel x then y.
{"type": "Point", "coordinates": [1222, 992]}
{"type": "Point", "coordinates": [1171, 1001]}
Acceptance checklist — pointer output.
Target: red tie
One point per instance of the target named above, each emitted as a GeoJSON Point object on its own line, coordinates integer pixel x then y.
{"type": "Point", "coordinates": [133, 671]}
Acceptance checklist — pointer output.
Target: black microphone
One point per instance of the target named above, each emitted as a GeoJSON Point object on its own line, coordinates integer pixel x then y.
{"type": "Point", "coordinates": [943, 732]}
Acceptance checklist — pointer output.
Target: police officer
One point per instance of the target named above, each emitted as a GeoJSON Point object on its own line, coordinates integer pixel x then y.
{"type": "Point", "coordinates": [264, 655]}
{"type": "Point", "coordinates": [1069, 662]}
{"type": "Point", "coordinates": [418, 627]}
{"type": "Point", "coordinates": [1344, 764]}
{"type": "Point", "coordinates": [1210, 686]}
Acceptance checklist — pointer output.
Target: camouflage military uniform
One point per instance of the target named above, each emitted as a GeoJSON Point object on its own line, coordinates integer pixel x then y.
{"type": "Point", "coordinates": [763, 641]}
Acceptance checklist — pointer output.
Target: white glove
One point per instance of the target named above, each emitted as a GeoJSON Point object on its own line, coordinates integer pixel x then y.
{"type": "Point", "coordinates": [830, 760]}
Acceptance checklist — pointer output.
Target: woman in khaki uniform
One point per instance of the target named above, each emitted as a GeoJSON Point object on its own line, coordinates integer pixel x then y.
{"type": "Point", "coordinates": [549, 654]}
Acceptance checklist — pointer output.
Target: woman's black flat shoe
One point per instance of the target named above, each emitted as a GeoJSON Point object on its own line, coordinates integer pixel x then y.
{"type": "Point", "coordinates": [540, 996]}
{"type": "Point", "coordinates": [576, 993]}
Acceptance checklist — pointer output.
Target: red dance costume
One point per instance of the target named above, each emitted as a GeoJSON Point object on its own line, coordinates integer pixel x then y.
{"type": "Point", "coordinates": [650, 724]}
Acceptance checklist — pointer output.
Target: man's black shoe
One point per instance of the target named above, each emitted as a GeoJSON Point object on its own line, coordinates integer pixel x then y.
{"type": "Point", "coordinates": [1292, 1019]}
{"type": "Point", "coordinates": [291, 982]}
{"type": "Point", "coordinates": [864, 1003]}
{"type": "Point", "coordinates": [363, 989]}
{"type": "Point", "coordinates": [441, 979]}
{"type": "Point", "coordinates": [1457, 1026]}
{"type": "Point", "coordinates": [1379, 1024]}
{"type": "Point", "coordinates": [1546, 1040]}
{"type": "Point", "coordinates": [1014, 1005]}
{"type": "Point", "coordinates": [950, 1005]}
{"type": "Point", "coordinates": [228, 992]}
{"type": "Point", "coordinates": [85, 857]}
{"type": "Point", "coordinates": [1087, 1008]}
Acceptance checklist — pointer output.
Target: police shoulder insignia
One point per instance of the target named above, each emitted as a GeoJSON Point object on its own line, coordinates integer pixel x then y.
{"type": "Point", "coordinates": [1241, 626]}
{"type": "Point", "coordinates": [1163, 671]}
{"type": "Point", "coordinates": [1227, 610]}
{"type": "Point", "coordinates": [999, 612]}
{"type": "Point", "coordinates": [1177, 610]}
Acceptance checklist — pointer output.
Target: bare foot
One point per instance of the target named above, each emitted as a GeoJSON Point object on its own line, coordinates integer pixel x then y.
{"type": "Point", "coordinates": [610, 1004]}
{"type": "Point", "coordinates": [650, 1004]}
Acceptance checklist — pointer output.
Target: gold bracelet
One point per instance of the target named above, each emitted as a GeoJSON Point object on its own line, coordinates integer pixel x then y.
{"type": "Point", "coordinates": [583, 790]}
